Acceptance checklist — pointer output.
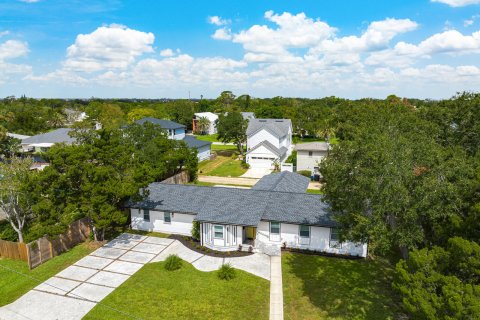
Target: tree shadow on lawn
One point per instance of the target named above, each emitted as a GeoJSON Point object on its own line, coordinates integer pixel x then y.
{"type": "Point", "coordinates": [339, 288]}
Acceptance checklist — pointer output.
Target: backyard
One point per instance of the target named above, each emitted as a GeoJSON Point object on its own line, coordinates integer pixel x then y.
{"type": "Point", "coordinates": [16, 279]}
{"type": "Point", "coordinates": [155, 293]}
{"type": "Point", "coordinates": [317, 287]}
{"type": "Point", "coordinates": [223, 166]}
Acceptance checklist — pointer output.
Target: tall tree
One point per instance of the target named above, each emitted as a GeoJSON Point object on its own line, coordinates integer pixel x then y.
{"type": "Point", "coordinates": [233, 128]}
{"type": "Point", "coordinates": [203, 124]}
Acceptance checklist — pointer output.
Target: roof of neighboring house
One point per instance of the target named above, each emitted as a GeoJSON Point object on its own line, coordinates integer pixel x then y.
{"type": "Point", "coordinates": [165, 124]}
{"type": "Point", "coordinates": [284, 181]}
{"type": "Point", "coordinates": [55, 136]}
{"type": "Point", "coordinates": [278, 127]}
{"type": "Point", "coordinates": [312, 146]}
{"type": "Point", "coordinates": [278, 152]}
{"type": "Point", "coordinates": [193, 142]}
{"type": "Point", "coordinates": [17, 136]}
{"type": "Point", "coordinates": [248, 115]}
{"type": "Point", "coordinates": [237, 206]}
{"type": "Point", "coordinates": [209, 115]}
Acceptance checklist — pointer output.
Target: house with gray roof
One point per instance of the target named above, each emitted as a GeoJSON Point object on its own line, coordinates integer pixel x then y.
{"type": "Point", "coordinates": [44, 141]}
{"type": "Point", "coordinates": [177, 131]}
{"type": "Point", "coordinates": [309, 156]}
{"type": "Point", "coordinates": [269, 141]}
{"type": "Point", "coordinates": [275, 213]}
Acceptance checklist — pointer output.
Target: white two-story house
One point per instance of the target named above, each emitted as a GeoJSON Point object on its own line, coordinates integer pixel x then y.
{"type": "Point", "coordinates": [268, 141]}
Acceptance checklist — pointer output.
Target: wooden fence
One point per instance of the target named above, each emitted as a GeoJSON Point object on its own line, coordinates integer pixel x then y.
{"type": "Point", "coordinates": [179, 178]}
{"type": "Point", "coordinates": [37, 252]}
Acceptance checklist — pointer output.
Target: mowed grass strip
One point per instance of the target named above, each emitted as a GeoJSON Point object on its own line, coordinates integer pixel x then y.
{"type": "Point", "coordinates": [187, 293]}
{"type": "Point", "coordinates": [14, 285]}
{"type": "Point", "coordinates": [221, 166]}
{"type": "Point", "coordinates": [316, 287]}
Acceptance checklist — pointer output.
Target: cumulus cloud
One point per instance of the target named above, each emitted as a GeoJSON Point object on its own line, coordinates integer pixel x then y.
{"type": "Point", "coordinates": [217, 21]}
{"type": "Point", "coordinates": [458, 3]}
{"type": "Point", "coordinates": [167, 53]}
{"type": "Point", "coordinates": [222, 34]}
{"type": "Point", "coordinates": [108, 47]}
{"type": "Point", "coordinates": [12, 49]}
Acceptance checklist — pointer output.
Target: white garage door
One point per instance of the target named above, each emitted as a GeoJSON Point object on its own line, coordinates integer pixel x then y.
{"type": "Point", "coordinates": [261, 162]}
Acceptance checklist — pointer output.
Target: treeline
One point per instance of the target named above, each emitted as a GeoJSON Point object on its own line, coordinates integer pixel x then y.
{"type": "Point", "coordinates": [405, 178]}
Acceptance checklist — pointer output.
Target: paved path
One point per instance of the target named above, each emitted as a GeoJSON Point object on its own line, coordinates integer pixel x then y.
{"type": "Point", "coordinates": [73, 292]}
{"type": "Point", "coordinates": [256, 173]}
{"type": "Point", "coordinates": [276, 289]}
{"type": "Point", "coordinates": [228, 180]}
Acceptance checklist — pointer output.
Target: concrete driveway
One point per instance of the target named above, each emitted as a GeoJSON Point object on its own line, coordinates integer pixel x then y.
{"type": "Point", "coordinates": [73, 292]}
{"type": "Point", "coordinates": [256, 173]}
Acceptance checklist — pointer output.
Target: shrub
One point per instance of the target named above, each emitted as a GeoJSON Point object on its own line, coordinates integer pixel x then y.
{"type": "Point", "coordinates": [245, 165]}
{"type": "Point", "coordinates": [305, 173]}
{"type": "Point", "coordinates": [173, 262]}
{"type": "Point", "coordinates": [235, 155]}
{"type": "Point", "coordinates": [226, 272]}
{"type": "Point", "coordinates": [196, 230]}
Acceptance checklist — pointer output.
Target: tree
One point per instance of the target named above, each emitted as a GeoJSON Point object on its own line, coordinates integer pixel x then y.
{"type": "Point", "coordinates": [203, 124]}
{"type": "Point", "coordinates": [226, 101]}
{"type": "Point", "coordinates": [140, 113]}
{"type": "Point", "coordinates": [232, 128]}
{"type": "Point", "coordinates": [14, 201]}
{"type": "Point", "coordinates": [9, 147]}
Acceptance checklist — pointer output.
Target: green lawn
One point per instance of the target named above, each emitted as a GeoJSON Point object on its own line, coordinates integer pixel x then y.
{"type": "Point", "coordinates": [224, 147]}
{"type": "Point", "coordinates": [314, 191]}
{"type": "Point", "coordinates": [208, 137]}
{"type": "Point", "coordinates": [154, 293]}
{"type": "Point", "coordinates": [221, 166]}
{"type": "Point", "coordinates": [14, 285]}
{"type": "Point", "coordinates": [316, 287]}
{"type": "Point", "coordinates": [209, 184]}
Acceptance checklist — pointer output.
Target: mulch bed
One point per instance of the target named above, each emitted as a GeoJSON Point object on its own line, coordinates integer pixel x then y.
{"type": "Point", "coordinates": [321, 253]}
{"type": "Point", "coordinates": [194, 245]}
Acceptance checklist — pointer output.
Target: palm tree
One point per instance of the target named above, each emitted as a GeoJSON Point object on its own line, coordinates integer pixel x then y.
{"type": "Point", "coordinates": [203, 124]}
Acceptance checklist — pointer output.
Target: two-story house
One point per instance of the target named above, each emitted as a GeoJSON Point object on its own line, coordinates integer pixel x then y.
{"type": "Point", "coordinates": [268, 141]}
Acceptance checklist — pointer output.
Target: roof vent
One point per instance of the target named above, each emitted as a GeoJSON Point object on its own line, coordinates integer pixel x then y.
{"type": "Point", "coordinates": [262, 120]}
{"type": "Point", "coordinates": [278, 120]}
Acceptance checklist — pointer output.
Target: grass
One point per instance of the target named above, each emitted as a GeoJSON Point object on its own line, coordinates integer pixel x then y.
{"type": "Point", "coordinates": [314, 191]}
{"type": "Point", "coordinates": [155, 293]}
{"type": "Point", "coordinates": [209, 184]}
{"type": "Point", "coordinates": [317, 287]}
{"type": "Point", "coordinates": [208, 137]}
{"type": "Point", "coordinates": [221, 166]}
{"type": "Point", "coordinates": [148, 233]}
{"type": "Point", "coordinates": [224, 147]}
{"type": "Point", "coordinates": [14, 285]}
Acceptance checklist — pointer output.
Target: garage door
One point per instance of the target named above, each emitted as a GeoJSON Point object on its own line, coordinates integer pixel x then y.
{"type": "Point", "coordinates": [261, 162]}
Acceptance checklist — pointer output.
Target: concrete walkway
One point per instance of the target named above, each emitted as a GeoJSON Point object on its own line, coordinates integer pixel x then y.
{"type": "Point", "coordinates": [276, 289]}
{"type": "Point", "coordinates": [73, 292]}
{"type": "Point", "coordinates": [228, 180]}
{"type": "Point", "coordinates": [256, 173]}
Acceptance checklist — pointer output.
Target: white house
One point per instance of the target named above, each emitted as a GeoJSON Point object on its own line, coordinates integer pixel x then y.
{"type": "Point", "coordinates": [176, 131]}
{"type": "Point", "coordinates": [43, 142]}
{"type": "Point", "coordinates": [277, 212]}
{"type": "Point", "coordinates": [212, 117]}
{"type": "Point", "coordinates": [268, 141]}
{"type": "Point", "coordinates": [309, 156]}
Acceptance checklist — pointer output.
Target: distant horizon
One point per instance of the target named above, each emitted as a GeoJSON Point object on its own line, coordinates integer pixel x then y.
{"type": "Point", "coordinates": [113, 49]}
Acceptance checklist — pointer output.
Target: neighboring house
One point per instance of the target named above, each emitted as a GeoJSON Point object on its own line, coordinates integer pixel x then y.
{"type": "Point", "coordinates": [43, 142]}
{"type": "Point", "coordinates": [247, 115]}
{"type": "Point", "coordinates": [176, 131]}
{"type": "Point", "coordinates": [309, 156]}
{"type": "Point", "coordinates": [74, 116]}
{"type": "Point", "coordinates": [275, 213]}
{"type": "Point", "coordinates": [268, 141]}
{"type": "Point", "coordinates": [212, 117]}
{"type": "Point", "coordinates": [17, 136]}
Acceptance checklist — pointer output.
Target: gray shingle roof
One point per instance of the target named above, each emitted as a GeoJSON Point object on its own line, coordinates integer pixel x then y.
{"type": "Point", "coordinates": [312, 146]}
{"type": "Point", "coordinates": [193, 142]}
{"type": "Point", "coordinates": [267, 144]}
{"type": "Point", "coordinates": [17, 136]}
{"type": "Point", "coordinates": [278, 127]}
{"type": "Point", "coordinates": [165, 124]}
{"type": "Point", "coordinates": [55, 136]}
{"type": "Point", "coordinates": [284, 181]}
{"type": "Point", "coordinates": [237, 206]}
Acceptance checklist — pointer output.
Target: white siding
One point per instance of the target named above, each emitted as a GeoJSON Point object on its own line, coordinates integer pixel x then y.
{"type": "Point", "coordinates": [180, 224]}
{"type": "Point", "coordinates": [204, 153]}
{"type": "Point", "coordinates": [306, 162]}
{"type": "Point", "coordinates": [259, 137]}
{"type": "Point", "coordinates": [319, 239]}
{"type": "Point", "coordinates": [232, 237]}
{"type": "Point", "coordinates": [261, 158]}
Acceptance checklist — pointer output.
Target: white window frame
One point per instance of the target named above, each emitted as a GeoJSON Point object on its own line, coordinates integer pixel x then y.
{"type": "Point", "coordinates": [275, 234]}
{"type": "Point", "coordinates": [169, 215]}
{"type": "Point", "coordinates": [215, 232]}
{"type": "Point", "coordinates": [300, 231]}
{"type": "Point", "coordinates": [334, 243]}
{"type": "Point", "coordinates": [146, 212]}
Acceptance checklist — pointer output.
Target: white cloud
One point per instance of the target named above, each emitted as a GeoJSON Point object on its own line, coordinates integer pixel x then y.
{"type": "Point", "coordinates": [222, 34]}
{"type": "Point", "coordinates": [458, 3]}
{"type": "Point", "coordinates": [217, 21]}
{"type": "Point", "coordinates": [12, 49]}
{"type": "Point", "coordinates": [108, 47]}
{"type": "Point", "coordinates": [29, 1]}
{"type": "Point", "coordinates": [167, 53]}
{"type": "Point", "coordinates": [468, 22]}
{"type": "Point", "coordinates": [4, 33]}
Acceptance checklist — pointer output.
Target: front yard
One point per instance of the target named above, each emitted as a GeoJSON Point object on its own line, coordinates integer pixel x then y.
{"type": "Point", "coordinates": [221, 166]}
{"type": "Point", "coordinates": [154, 293]}
{"type": "Point", "coordinates": [316, 287]}
{"type": "Point", "coordinates": [16, 279]}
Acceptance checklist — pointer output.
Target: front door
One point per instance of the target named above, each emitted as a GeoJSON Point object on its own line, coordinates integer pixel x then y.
{"type": "Point", "coordinates": [251, 233]}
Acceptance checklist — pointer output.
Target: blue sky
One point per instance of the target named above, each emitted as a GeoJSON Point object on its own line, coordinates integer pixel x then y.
{"type": "Point", "coordinates": [152, 49]}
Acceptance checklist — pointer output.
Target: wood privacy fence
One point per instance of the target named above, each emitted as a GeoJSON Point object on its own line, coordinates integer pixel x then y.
{"type": "Point", "coordinates": [37, 252]}
{"type": "Point", "coordinates": [179, 178]}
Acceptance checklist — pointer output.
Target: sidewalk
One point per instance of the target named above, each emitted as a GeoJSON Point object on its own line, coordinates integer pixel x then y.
{"type": "Point", "coordinates": [276, 288]}
{"type": "Point", "coordinates": [228, 180]}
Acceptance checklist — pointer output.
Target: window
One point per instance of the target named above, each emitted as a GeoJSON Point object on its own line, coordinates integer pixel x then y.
{"type": "Point", "coordinates": [310, 153]}
{"type": "Point", "coordinates": [304, 231]}
{"type": "Point", "coordinates": [274, 227]}
{"type": "Point", "coordinates": [146, 215]}
{"type": "Point", "coordinates": [166, 217]}
{"type": "Point", "coordinates": [335, 238]}
{"type": "Point", "coordinates": [218, 232]}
